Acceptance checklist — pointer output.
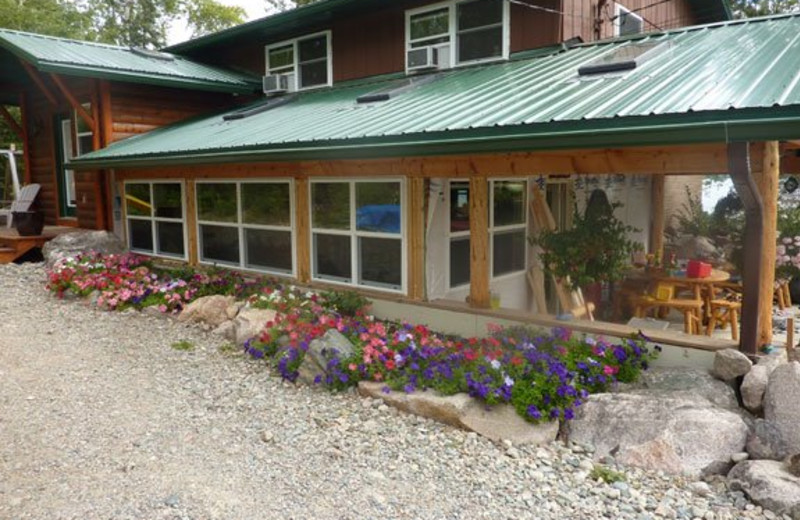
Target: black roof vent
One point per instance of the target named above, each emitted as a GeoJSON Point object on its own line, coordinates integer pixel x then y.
{"type": "Point", "coordinates": [624, 57]}
{"type": "Point", "coordinates": [252, 110]}
{"type": "Point", "coordinates": [396, 88]}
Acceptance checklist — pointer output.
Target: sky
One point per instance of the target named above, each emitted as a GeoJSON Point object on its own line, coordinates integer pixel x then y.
{"type": "Point", "coordinates": [254, 8]}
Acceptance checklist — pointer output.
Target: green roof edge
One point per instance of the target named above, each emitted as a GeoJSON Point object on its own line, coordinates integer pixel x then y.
{"type": "Point", "coordinates": [720, 127]}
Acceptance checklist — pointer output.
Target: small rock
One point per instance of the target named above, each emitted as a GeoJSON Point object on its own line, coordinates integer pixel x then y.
{"type": "Point", "coordinates": [739, 457]}
{"type": "Point", "coordinates": [267, 436]}
{"type": "Point", "coordinates": [172, 501]}
{"type": "Point", "coordinates": [793, 464]}
{"type": "Point", "coordinates": [730, 364]}
{"type": "Point", "coordinates": [700, 488]}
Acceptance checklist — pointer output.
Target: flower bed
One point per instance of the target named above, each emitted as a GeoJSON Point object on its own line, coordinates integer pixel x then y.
{"type": "Point", "coordinates": [544, 376]}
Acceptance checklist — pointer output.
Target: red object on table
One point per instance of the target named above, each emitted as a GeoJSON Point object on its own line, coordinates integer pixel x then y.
{"type": "Point", "coordinates": [698, 269]}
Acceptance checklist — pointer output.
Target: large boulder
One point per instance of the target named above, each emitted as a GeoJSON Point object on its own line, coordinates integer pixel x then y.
{"type": "Point", "coordinates": [683, 382]}
{"type": "Point", "coordinates": [249, 322]}
{"type": "Point", "coordinates": [782, 403]}
{"type": "Point", "coordinates": [677, 435]}
{"type": "Point", "coordinates": [320, 352]}
{"type": "Point", "coordinates": [769, 484]}
{"type": "Point", "coordinates": [765, 441]}
{"type": "Point", "coordinates": [210, 310]}
{"type": "Point", "coordinates": [71, 244]}
{"type": "Point", "coordinates": [498, 423]}
{"type": "Point", "coordinates": [730, 364]}
{"type": "Point", "coordinates": [753, 387]}
{"type": "Point", "coordinates": [700, 248]}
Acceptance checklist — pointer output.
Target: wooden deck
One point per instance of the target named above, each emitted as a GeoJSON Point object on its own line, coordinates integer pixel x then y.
{"type": "Point", "coordinates": [13, 246]}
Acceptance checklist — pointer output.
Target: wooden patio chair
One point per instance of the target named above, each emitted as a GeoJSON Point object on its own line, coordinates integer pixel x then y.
{"type": "Point", "coordinates": [23, 202]}
{"type": "Point", "coordinates": [724, 308]}
{"type": "Point", "coordinates": [663, 300]}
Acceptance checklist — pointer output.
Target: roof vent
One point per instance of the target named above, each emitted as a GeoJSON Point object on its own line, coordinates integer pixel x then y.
{"type": "Point", "coordinates": [396, 88]}
{"type": "Point", "coordinates": [624, 57]}
{"type": "Point", "coordinates": [150, 53]}
{"type": "Point", "coordinates": [251, 110]}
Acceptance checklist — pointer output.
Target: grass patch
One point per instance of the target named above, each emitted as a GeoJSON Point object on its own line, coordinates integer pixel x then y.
{"type": "Point", "coordinates": [229, 349]}
{"type": "Point", "coordinates": [184, 345]}
{"type": "Point", "coordinates": [607, 475]}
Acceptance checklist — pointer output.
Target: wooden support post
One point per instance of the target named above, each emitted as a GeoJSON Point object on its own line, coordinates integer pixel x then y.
{"type": "Point", "coordinates": [302, 229]}
{"type": "Point", "coordinates": [11, 122]}
{"type": "Point", "coordinates": [767, 184]}
{"type": "Point", "coordinates": [86, 116]}
{"type": "Point", "coordinates": [99, 180]}
{"type": "Point", "coordinates": [416, 238]}
{"type": "Point", "coordinates": [26, 140]}
{"type": "Point", "coordinates": [479, 295]}
{"type": "Point", "coordinates": [39, 83]}
{"type": "Point", "coordinates": [104, 123]}
{"type": "Point", "coordinates": [658, 223]}
{"type": "Point", "coordinates": [789, 337]}
{"type": "Point", "coordinates": [191, 220]}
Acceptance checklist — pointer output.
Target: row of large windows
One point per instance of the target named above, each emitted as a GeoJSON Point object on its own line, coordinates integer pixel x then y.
{"type": "Point", "coordinates": [357, 227]}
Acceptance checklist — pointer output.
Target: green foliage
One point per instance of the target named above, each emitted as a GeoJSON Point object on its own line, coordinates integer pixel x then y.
{"type": "Point", "coordinates": [347, 303]}
{"type": "Point", "coordinates": [692, 220]}
{"type": "Point", "coordinates": [285, 5]}
{"type": "Point", "coordinates": [595, 249]}
{"type": "Point", "coordinates": [751, 8]}
{"type": "Point", "coordinates": [228, 349]}
{"type": "Point", "coordinates": [607, 475]}
{"type": "Point", "coordinates": [183, 345]}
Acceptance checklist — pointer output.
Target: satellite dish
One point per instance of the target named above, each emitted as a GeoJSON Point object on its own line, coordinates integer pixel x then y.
{"type": "Point", "coordinates": [791, 184]}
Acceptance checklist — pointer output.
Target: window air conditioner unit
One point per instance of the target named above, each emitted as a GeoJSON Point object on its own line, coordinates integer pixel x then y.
{"type": "Point", "coordinates": [427, 58]}
{"type": "Point", "coordinates": [277, 83]}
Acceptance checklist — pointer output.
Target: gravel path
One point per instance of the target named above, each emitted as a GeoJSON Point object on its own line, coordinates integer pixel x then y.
{"type": "Point", "coordinates": [101, 418]}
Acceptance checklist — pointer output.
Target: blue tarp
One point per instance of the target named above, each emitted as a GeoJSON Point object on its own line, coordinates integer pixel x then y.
{"type": "Point", "coordinates": [384, 218]}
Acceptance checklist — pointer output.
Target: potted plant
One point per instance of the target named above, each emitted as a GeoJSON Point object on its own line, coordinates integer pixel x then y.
{"type": "Point", "coordinates": [597, 247]}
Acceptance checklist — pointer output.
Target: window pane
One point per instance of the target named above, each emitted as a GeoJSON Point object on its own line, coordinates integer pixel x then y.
{"type": "Point", "coordinates": [332, 256]}
{"type": "Point", "coordinates": [268, 204]}
{"type": "Point", "coordinates": [167, 200]}
{"type": "Point", "coordinates": [509, 203]}
{"type": "Point", "coordinates": [378, 206]}
{"type": "Point", "coordinates": [268, 249]}
{"type": "Point", "coordinates": [479, 14]}
{"type": "Point", "coordinates": [314, 73]}
{"type": "Point", "coordinates": [80, 124]}
{"type": "Point", "coordinates": [170, 238]}
{"type": "Point", "coordinates": [508, 252]}
{"type": "Point", "coordinates": [140, 235]}
{"type": "Point", "coordinates": [459, 206]}
{"type": "Point", "coordinates": [330, 202]}
{"type": "Point", "coordinates": [312, 48]}
{"type": "Point", "coordinates": [481, 44]}
{"type": "Point", "coordinates": [281, 57]}
{"type": "Point", "coordinates": [219, 244]}
{"type": "Point", "coordinates": [137, 199]}
{"type": "Point", "coordinates": [216, 202]}
{"type": "Point", "coordinates": [432, 23]}
{"type": "Point", "coordinates": [459, 261]}
{"type": "Point", "coordinates": [381, 261]}
{"type": "Point", "coordinates": [85, 143]}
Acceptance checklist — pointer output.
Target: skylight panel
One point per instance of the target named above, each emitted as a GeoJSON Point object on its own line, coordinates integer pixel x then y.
{"type": "Point", "coordinates": [622, 58]}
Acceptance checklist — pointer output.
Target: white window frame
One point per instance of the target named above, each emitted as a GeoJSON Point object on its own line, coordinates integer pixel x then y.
{"type": "Point", "coordinates": [68, 150]}
{"type": "Point", "coordinates": [296, 63]}
{"type": "Point", "coordinates": [153, 219]}
{"type": "Point", "coordinates": [619, 11]}
{"type": "Point", "coordinates": [492, 229]}
{"type": "Point", "coordinates": [242, 226]}
{"type": "Point", "coordinates": [78, 135]}
{"type": "Point", "coordinates": [495, 230]}
{"type": "Point", "coordinates": [354, 234]}
{"type": "Point", "coordinates": [453, 32]}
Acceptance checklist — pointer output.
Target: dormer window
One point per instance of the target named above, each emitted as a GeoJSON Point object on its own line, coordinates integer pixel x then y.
{"type": "Point", "coordinates": [456, 33]}
{"type": "Point", "coordinates": [306, 60]}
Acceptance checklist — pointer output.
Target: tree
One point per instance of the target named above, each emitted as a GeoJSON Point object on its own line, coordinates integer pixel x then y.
{"type": "Point", "coordinates": [51, 17]}
{"type": "Point", "coordinates": [285, 5]}
{"type": "Point", "coordinates": [750, 8]}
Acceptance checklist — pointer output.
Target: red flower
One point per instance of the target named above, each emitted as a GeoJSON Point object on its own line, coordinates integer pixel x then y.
{"type": "Point", "coordinates": [390, 365]}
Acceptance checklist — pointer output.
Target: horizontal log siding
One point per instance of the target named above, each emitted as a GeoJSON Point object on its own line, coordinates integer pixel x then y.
{"type": "Point", "coordinates": [579, 16]}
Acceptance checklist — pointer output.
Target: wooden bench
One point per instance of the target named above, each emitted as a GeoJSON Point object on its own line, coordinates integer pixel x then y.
{"type": "Point", "coordinates": [690, 308]}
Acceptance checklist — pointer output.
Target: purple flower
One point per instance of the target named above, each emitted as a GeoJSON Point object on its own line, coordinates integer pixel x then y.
{"type": "Point", "coordinates": [534, 412]}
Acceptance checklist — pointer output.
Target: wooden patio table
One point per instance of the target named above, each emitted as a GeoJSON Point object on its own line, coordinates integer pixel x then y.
{"type": "Point", "coordinates": [702, 288]}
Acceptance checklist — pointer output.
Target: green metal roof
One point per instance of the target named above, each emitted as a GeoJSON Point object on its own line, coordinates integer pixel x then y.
{"type": "Point", "coordinates": [720, 83]}
{"type": "Point", "coordinates": [79, 58]}
{"type": "Point", "coordinates": [322, 12]}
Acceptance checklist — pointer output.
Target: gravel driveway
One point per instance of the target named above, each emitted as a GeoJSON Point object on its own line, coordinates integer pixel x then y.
{"type": "Point", "coordinates": [100, 417]}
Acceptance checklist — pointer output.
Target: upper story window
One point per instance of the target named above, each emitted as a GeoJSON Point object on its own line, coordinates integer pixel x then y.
{"type": "Point", "coordinates": [627, 22]}
{"type": "Point", "coordinates": [456, 33]}
{"type": "Point", "coordinates": [306, 60]}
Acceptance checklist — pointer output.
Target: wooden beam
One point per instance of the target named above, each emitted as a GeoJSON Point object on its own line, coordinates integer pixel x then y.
{"type": "Point", "coordinates": [767, 183]}
{"type": "Point", "coordinates": [657, 212]}
{"type": "Point", "coordinates": [302, 229]}
{"type": "Point", "coordinates": [479, 295]}
{"type": "Point", "coordinates": [34, 75]}
{"type": "Point", "coordinates": [416, 238]}
{"type": "Point", "coordinates": [86, 116]}
{"type": "Point", "coordinates": [12, 123]}
{"type": "Point", "coordinates": [100, 179]}
{"type": "Point", "coordinates": [105, 113]}
{"type": "Point", "coordinates": [191, 220]}
{"type": "Point", "coordinates": [26, 141]}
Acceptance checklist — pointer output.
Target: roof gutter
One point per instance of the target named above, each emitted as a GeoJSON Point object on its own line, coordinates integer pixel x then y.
{"type": "Point", "coordinates": [453, 143]}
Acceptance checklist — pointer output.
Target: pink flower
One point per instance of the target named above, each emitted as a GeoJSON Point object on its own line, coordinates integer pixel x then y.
{"type": "Point", "coordinates": [609, 370]}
